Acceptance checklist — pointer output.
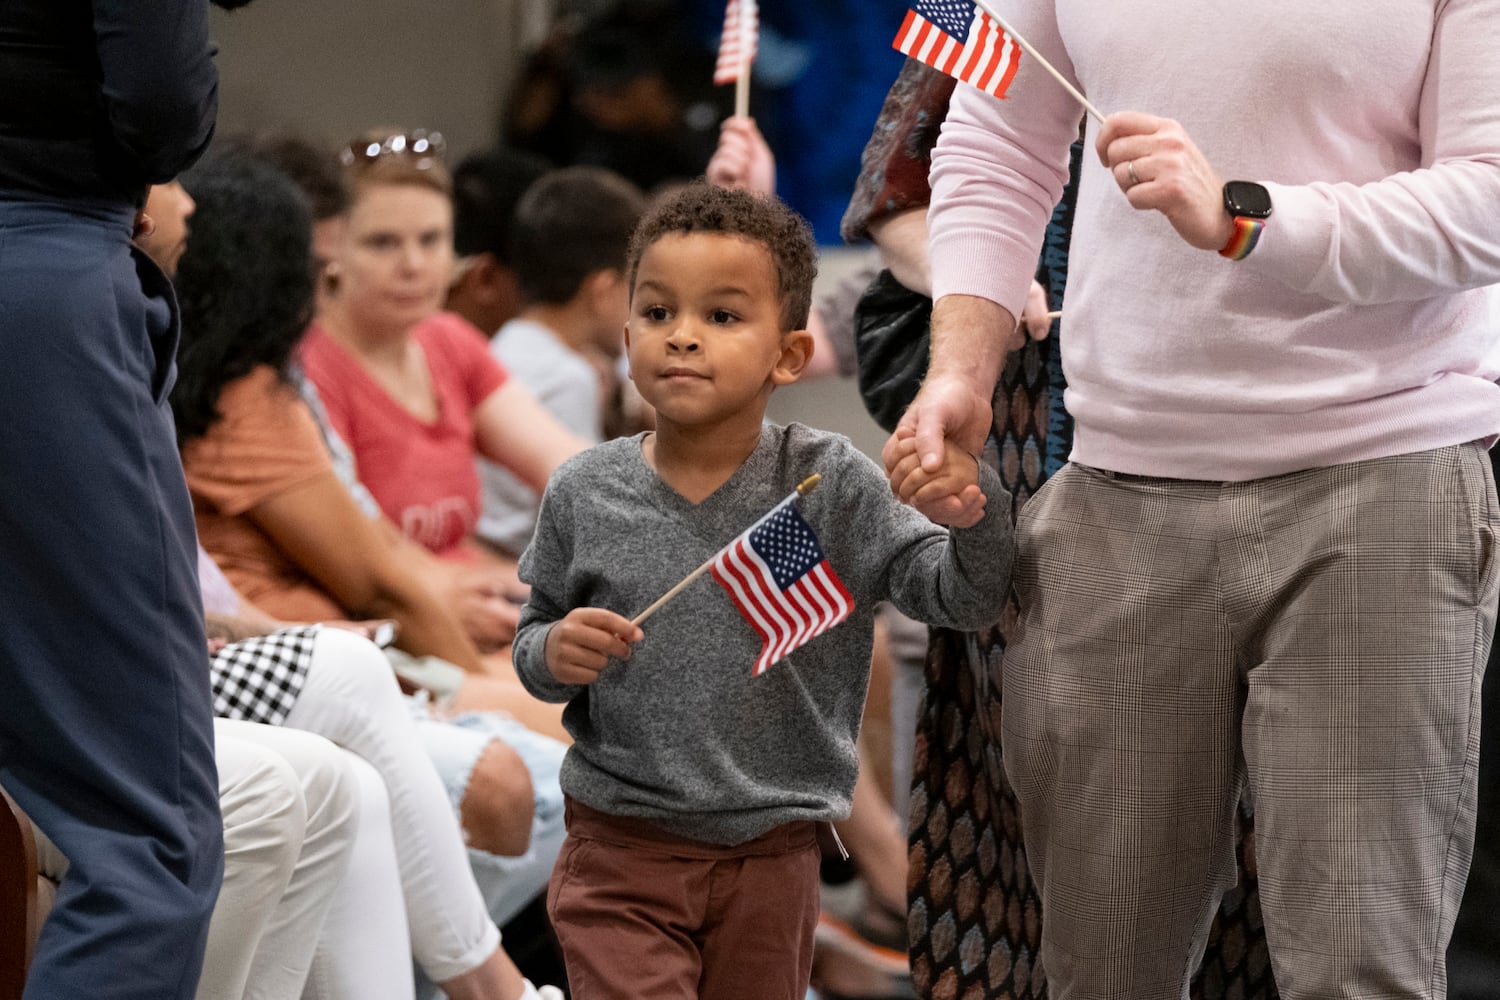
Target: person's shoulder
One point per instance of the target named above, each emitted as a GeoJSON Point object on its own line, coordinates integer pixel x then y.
{"type": "Point", "coordinates": [820, 451]}
{"type": "Point", "coordinates": [450, 332]}
{"type": "Point", "coordinates": [520, 332]}
{"type": "Point", "coordinates": [260, 389]}
{"type": "Point", "coordinates": [319, 353]}
{"type": "Point", "coordinates": [537, 352]}
{"type": "Point", "coordinates": [261, 415]}
{"type": "Point", "coordinates": [597, 467]}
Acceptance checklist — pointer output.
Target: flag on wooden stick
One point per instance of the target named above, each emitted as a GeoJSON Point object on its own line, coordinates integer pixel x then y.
{"type": "Point", "coordinates": [738, 44]}
{"type": "Point", "coordinates": [779, 579]}
{"type": "Point", "coordinates": [956, 38]}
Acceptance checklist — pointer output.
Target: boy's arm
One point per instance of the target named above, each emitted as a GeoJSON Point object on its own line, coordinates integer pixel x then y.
{"type": "Point", "coordinates": [562, 644]}
{"type": "Point", "coordinates": [529, 651]}
{"type": "Point", "coordinates": [543, 566]}
{"type": "Point", "coordinates": [958, 578]}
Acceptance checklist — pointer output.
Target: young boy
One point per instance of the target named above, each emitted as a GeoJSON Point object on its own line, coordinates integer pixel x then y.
{"type": "Point", "coordinates": [568, 238]}
{"type": "Point", "coordinates": [691, 866]}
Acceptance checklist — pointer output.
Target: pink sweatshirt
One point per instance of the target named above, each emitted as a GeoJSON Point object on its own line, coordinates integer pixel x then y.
{"type": "Point", "coordinates": [1359, 326]}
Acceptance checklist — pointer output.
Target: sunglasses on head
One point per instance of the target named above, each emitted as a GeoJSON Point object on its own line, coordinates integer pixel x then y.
{"type": "Point", "coordinates": [422, 146]}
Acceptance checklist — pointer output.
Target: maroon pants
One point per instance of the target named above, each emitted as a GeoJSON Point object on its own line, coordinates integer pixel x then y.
{"type": "Point", "coordinates": [645, 914]}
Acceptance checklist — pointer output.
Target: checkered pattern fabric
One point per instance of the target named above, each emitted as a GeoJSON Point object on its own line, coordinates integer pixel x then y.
{"type": "Point", "coordinates": [1319, 636]}
{"type": "Point", "coordinates": [258, 680]}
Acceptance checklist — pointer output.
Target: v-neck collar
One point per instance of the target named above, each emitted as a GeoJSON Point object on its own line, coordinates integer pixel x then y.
{"type": "Point", "coordinates": [752, 470]}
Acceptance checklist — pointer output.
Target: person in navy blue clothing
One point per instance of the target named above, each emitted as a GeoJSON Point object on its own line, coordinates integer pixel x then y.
{"type": "Point", "coordinates": [105, 724]}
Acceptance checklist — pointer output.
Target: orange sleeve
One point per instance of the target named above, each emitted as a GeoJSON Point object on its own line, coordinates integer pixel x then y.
{"type": "Point", "coordinates": [265, 444]}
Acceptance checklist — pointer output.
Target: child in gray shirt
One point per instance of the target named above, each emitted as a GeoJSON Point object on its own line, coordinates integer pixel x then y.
{"type": "Point", "coordinates": [691, 867]}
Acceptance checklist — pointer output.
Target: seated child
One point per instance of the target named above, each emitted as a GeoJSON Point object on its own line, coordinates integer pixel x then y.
{"type": "Point", "coordinates": [696, 779]}
{"type": "Point", "coordinates": [569, 234]}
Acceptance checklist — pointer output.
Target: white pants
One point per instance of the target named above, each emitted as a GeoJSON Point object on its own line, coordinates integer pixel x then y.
{"type": "Point", "coordinates": [364, 952]}
{"type": "Point", "coordinates": [289, 802]}
{"type": "Point", "coordinates": [276, 932]}
{"type": "Point", "coordinates": [351, 697]}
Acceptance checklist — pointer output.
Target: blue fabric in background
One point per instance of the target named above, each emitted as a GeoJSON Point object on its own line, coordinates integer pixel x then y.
{"type": "Point", "coordinates": [816, 106]}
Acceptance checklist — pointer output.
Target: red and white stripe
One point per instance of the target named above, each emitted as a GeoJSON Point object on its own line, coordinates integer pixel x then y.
{"type": "Point", "coordinates": [987, 59]}
{"type": "Point", "coordinates": [784, 619]}
{"type": "Point", "coordinates": [738, 44]}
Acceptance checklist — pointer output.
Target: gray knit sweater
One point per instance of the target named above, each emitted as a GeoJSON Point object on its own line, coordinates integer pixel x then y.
{"type": "Point", "coordinates": [682, 733]}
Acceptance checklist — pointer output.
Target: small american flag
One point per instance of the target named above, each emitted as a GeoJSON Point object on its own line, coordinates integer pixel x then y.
{"type": "Point", "coordinates": [954, 37]}
{"type": "Point", "coordinates": [737, 46]}
{"type": "Point", "coordinates": [778, 577]}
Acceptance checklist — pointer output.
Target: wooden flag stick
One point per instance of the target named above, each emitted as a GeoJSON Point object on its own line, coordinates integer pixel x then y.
{"type": "Point", "coordinates": [803, 489]}
{"type": "Point", "coordinates": [742, 82]}
{"type": "Point", "coordinates": [1025, 45]}
{"type": "Point", "coordinates": [742, 91]}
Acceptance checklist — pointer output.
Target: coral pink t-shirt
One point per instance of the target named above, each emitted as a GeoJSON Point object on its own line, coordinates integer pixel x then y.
{"type": "Point", "coordinates": [422, 474]}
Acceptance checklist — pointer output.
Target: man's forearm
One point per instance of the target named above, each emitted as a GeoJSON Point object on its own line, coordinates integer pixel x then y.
{"type": "Point", "coordinates": [970, 338]}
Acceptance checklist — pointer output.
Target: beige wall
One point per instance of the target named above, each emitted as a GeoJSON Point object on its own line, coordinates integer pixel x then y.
{"type": "Point", "coordinates": [332, 68]}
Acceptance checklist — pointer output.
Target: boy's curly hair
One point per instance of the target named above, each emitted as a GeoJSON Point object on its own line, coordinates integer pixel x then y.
{"type": "Point", "coordinates": [703, 208]}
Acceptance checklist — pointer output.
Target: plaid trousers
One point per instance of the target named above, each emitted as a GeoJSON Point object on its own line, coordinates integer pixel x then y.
{"type": "Point", "coordinates": [1316, 640]}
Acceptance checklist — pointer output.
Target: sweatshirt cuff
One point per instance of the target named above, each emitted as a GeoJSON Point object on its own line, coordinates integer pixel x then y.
{"type": "Point", "coordinates": [1297, 243]}
{"type": "Point", "coordinates": [983, 266]}
{"type": "Point", "coordinates": [528, 653]}
{"type": "Point", "coordinates": [995, 525]}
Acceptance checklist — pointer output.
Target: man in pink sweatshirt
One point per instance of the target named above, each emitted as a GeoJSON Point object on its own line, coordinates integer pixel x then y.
{"type": "Point", "coordinates": [1270, 565]}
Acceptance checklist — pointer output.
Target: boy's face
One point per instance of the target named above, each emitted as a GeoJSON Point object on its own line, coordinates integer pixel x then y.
{"type": "Point", "coordinates": [704, 335]}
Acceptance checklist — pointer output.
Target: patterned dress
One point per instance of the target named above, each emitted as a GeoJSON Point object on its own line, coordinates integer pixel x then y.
{"type": "Point", "coordinates": [975, 917]}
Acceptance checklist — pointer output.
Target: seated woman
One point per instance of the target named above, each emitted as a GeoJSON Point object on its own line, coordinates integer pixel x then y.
{"type": "Point", "coordinates": [414, 391]}
{"type": "Point", "coordinates": [266, 498]}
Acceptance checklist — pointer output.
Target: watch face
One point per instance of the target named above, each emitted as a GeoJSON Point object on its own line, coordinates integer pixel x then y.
{"type": "Point", "coordinates": [1248, 199]}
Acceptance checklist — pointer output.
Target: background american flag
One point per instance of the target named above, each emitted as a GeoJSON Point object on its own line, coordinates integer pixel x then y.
{"type": "Point", "coordinates": [738, 43]}
{"type": "Point", "coordinates": [956, 38]}
{"type": "Point", "coordinates": [779, 579]}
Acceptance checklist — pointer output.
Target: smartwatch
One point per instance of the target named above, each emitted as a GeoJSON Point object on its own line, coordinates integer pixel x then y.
{"type": "Point", "coordinates": [1249, 205]}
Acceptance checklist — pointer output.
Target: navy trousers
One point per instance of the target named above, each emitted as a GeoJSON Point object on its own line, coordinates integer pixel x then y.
{"type": "Point", "coordinates": [106, 735]}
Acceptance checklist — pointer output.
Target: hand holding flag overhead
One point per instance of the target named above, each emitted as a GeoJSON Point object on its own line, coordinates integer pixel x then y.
{"type": "Point", "coordinates": [737, 49]}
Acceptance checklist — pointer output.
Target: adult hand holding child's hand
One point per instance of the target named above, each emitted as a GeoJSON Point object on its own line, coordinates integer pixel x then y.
{"type": "Point", "coordinates": [948, 494]}
{"type": "Point", "coordinates": [581, 644]}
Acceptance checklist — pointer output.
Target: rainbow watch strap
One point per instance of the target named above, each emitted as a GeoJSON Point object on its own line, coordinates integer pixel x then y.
{"type": "Point", "coordinates": [1246, 235]}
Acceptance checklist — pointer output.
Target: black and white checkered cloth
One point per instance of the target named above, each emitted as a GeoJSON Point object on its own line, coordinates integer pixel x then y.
{"type": "Point", "coordinates": [258, 680]}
